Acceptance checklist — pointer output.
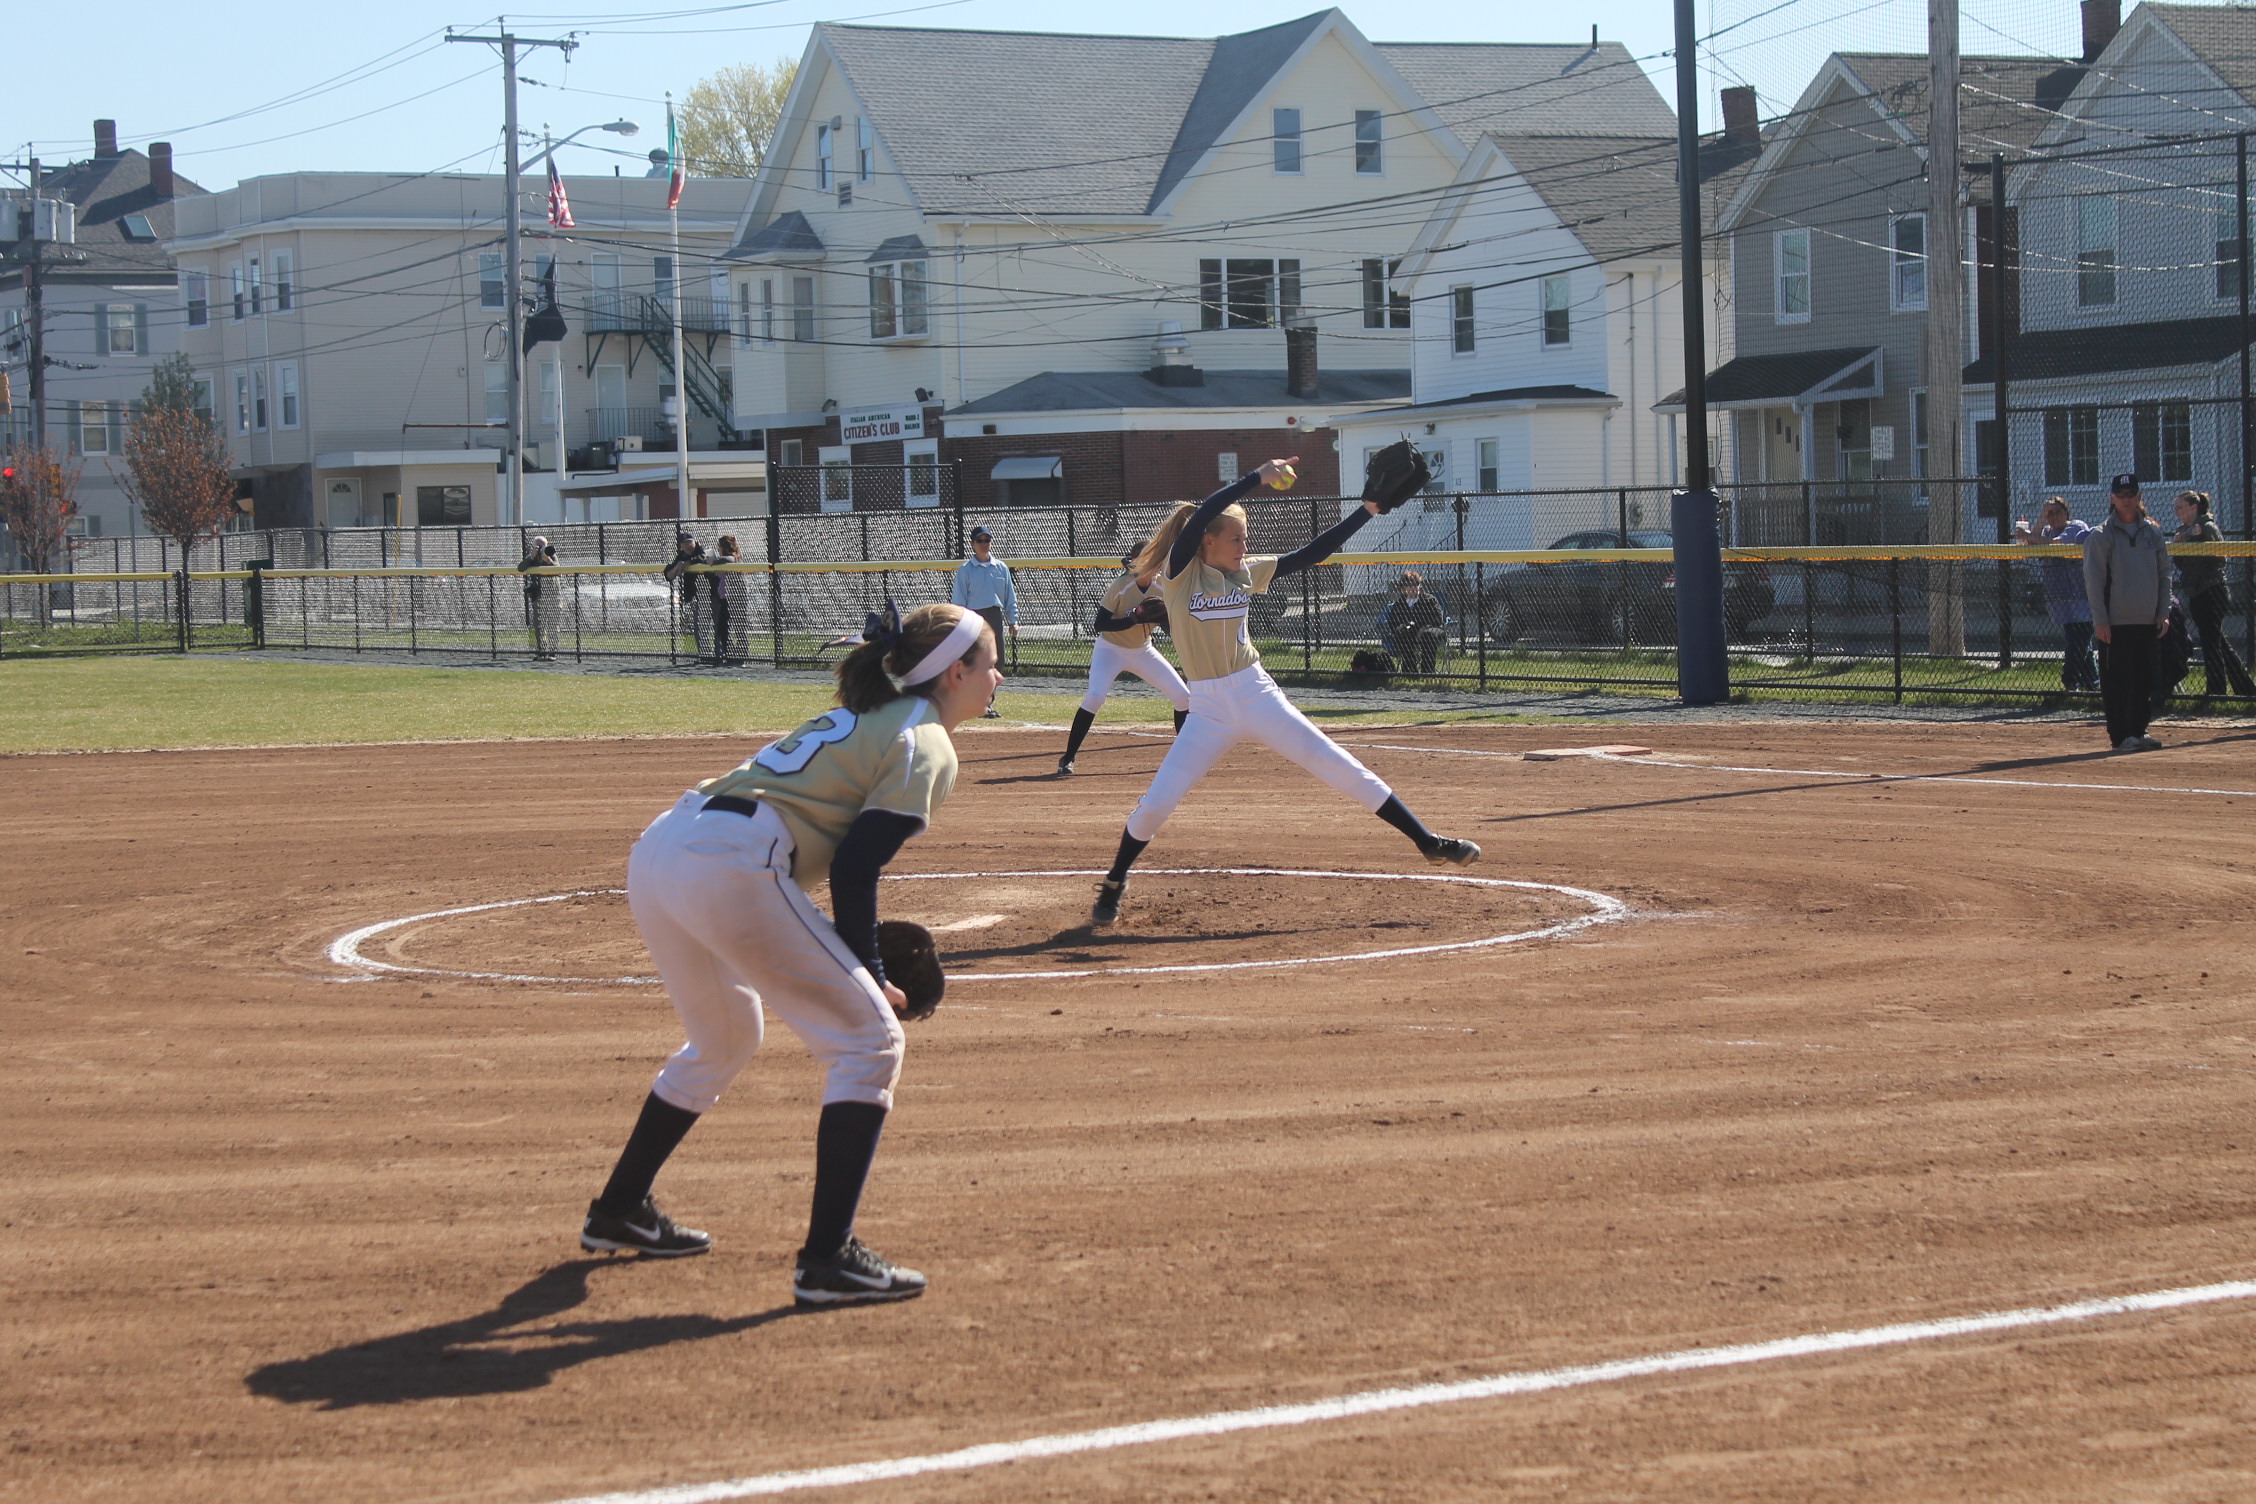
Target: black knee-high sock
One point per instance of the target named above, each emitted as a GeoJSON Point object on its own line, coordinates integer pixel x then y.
{"type": "Point", "coordinates": [845, 1143]}
{"type": "Point", "coordinates": [657, 1133]}
{"type": "Point", "coordinates": [1398, 816]}
{"type": "Point", "coordinates": [1130, 849]}
{"type": "Point", "coordinates": [1180, 717]}
{"type": "Point", "coordinates": [1083, 719]}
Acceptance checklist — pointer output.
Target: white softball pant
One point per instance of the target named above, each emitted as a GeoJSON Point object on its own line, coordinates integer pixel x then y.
{"type": "Point", "coordinates": [730, 930]}
{"type": "Point", "coordinates": [1109, 661]}
{"type": "Point", "coordinates": [1240, 706]}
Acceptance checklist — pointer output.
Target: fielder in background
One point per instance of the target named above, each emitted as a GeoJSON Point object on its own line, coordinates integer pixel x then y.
{"type": "Point", "coordinates": [1209, 584]}
{"type": "Point", "coordinates": [717, 885]}
{"type": "Point", "coordinates": [541, 604]}
{"type": "Point", "coordinates": [983, 584]}
{"type": "Point", "coordinates": [1126, 618]}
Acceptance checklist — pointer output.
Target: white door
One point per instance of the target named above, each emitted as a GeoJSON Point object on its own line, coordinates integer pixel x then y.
{"type": "Point", "coordinates": [611, 403]}
{"type": "Point", "coordinates": [344, 502]}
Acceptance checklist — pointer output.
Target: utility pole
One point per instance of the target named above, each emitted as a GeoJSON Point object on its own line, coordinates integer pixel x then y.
{"type": "Point", "coordinates": [513, 503]}
{"type": "Point", "coordinates": [1946, 328]}
{"type": "Point", "coordinates": [35, 262]}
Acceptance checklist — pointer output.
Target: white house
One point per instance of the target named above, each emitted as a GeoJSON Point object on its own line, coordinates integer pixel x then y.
{"type": "Point", "coordinates": [1546, 318]}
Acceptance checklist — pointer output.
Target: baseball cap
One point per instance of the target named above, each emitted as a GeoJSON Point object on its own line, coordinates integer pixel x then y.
{"type": "Point", "coordinates": [683, 535]}
{"type": "Point", "coordinates": [980, 532]}
{"type": "Point", "coordinates": [2125, 484]}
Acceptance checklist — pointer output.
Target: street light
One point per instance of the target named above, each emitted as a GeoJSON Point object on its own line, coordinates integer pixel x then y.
{"type": "Point", "coordinates": [616, 127]}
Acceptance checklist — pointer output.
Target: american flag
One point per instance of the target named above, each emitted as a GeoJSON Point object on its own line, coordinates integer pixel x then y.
{"type": "Point", "coordinates": [559, 203]}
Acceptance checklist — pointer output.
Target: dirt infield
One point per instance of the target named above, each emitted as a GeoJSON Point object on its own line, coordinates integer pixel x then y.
{"type": "Point", "coordinates": [1866, 1050]}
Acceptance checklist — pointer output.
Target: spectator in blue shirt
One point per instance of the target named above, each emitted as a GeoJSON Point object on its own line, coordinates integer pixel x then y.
{"type": "Point", "coordinates": [2064, 592]}
{"type": "Point", "coordinates": [983, 585]}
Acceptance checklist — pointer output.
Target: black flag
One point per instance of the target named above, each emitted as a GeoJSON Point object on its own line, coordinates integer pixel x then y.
{"type": "Point", "coordinates": [546, 322]}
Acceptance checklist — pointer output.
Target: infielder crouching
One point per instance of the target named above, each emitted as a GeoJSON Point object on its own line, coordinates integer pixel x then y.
{"type": "Point", "coordinates": [1208, 589]}
{"type": "Point", "coordinates": [1124, 646]}
{"type": "Point", "coordinates": [717, 885]}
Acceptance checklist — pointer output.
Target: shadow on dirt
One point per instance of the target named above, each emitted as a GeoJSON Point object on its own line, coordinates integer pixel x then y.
{"type": "Point", "coordinates": [500, 1351]}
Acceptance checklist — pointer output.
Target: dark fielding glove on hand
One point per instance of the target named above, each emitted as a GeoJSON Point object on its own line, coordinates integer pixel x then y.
{"type": "Point", "coordinates": [1152, 612]}
{"type": "Point", "coordinates": [1394, 475]}
{"type": "Point", "coordinates": [912, 963]}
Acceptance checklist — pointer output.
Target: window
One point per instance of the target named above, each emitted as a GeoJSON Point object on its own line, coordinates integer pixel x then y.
{"type": "Point", "coordinates": [916, 317]}
{"type": "Point", "coordinates": [791, 452]}
{"type": "Point", "coordinates": [803, 309]}
{"type": "Point", "coordinates": [93, 428]}
{"type": "Point", "coordinates": [258, 289]}
{"type": "Point", "coordinates": [2162, 440]}
{"type": "Point", "coordinates": [1368, 153]}
{"type": "Point", "coordinates": [865, 151]}
{"type": "Point", "coordinates": [258, 398]}
{"type": "Point", "coordinates": [1852, 436]}
{"type": "Point", "coordinates": [1907, 263]}
{"type": "Point", "coordinates": [2228, 253]}
{"type": "Point", "coordinates": [202, 386]}
{"type": "Point", "coordinates": [1790, 250]}
{"type": "Point", "coordinates": [137, 227]}
{"type": "Point", "coordinates": [1383, 308]}
{"type": "Point", "coordinates": [1461, 320]}
{"type": "Point", "coordinates": [743, 313]}
{"type": "Point", "coordinates": [822, 159]}
{"type": "Point", "coordinates": [442, 506]}
{"type": "Point", "coordinates": [1248, 294]}
{"type": "Point", "coordinates": [285, 281]}
{"type": "Point", "coordinates": [238, 298]}
{"type": "Point", "coordinates": [923, 457]}
{"type": "Point", "coordinates": [2095, 252]}
{"type": "Point", "coordinates": [662, 280]}
{"type": "Point", "coordinates": [1919, 433]}
{"type": "Point", "coordinates": [286, 389]}
{"type": "Point", "coordinates": [195, 292]}
{"type": "Point", "coordinates": [497, 391]}
{"type": "Point", "coordinates": [1485, 467]}
{"type": "Point", "coordinates": [121, 328]}
{"type": "Point", "coordinates": [1284, 140]}
{"type": "Point", "coordinates": [2071, 446]}
{"type": "Point", "coordinates": [1558, 327]}
{"type": "Point", "coordinates": [489, 280]}
{"type": "Point", "coordinates": [767, 308]}
{"type": "Point", "coordinates": [882, 321]}
{"type": "Point", "coordinates": [837, 478]}
{"type": "Point", "coordinates": [242, 402]}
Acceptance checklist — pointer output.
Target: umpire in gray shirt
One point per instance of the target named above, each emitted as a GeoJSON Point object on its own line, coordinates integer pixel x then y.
{"type": "Point", "coordinates": [2127, 581]}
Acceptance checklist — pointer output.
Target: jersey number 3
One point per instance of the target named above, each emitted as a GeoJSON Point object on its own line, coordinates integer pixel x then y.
{"type": "Point", "coordinates": [799, 748]}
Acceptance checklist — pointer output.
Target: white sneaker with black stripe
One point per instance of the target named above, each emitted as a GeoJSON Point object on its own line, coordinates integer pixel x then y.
{"type": "Point", "coordinates": [856, 1275]}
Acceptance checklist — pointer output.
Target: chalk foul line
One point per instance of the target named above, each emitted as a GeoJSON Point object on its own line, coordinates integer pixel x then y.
{"type": "Point", "coordinates": [1377, 1402]}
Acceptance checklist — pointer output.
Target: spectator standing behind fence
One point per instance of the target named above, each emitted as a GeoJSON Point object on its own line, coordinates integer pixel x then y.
{"type": "Point", "coordinates": [2064, 591]}
{"type": "Point", "coordinates": [983, 585]}
{"type": "Point", "coordinates": [2206, 598]}
{"type": "Point", "coordinates": [696, 595]}
{"type": "Point", "coordinates": [729, 603]}
{"type": "Point", "coordinates": [1413, 626]}
{"type": "Point", "coordinates": [541, 594]}
{"type": "Point", "coordinates": [2127, 583]}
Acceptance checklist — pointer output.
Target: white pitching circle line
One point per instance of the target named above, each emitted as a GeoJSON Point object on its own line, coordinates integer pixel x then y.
{"type": "Point", "coordinates": [1604, 909]}
{"type": "Point", "coordinates": [1380, 1401]}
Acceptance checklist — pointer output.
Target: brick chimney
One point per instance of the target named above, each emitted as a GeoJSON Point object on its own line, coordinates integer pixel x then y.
{"type": "Point", "coordinates": [105, 138]}
{"type": "Point", "coordinates": [2102, 19]}
{"type": "Point", "coordinates": [1301, 375]}
{"type": "Point", "coordinates": [1740, 127]}
{"type": "Point", "coordinates": [160, 168]}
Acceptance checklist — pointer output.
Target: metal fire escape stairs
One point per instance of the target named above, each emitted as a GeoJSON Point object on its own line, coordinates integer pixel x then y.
{"type": "Point", "coordinates": [695, 373]}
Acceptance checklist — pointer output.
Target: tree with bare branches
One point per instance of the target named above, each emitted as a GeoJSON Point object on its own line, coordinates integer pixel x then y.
{"type": "Point", "coordinates": [38, 499]}
{"type": "Point", "coordinates": [729, 117]}
{"type": "Point", "coordinates": [177, 468]}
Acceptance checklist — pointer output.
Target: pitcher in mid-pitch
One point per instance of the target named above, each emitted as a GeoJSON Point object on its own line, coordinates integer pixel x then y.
{"type": "Point", "coordinates": [1199, 553]}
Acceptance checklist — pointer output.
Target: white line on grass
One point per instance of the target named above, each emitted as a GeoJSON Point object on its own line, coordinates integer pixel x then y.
{"type": "Point", "coordinates": [1272, 1417]}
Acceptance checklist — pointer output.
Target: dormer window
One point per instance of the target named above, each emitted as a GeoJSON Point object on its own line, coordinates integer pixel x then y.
{"type": "Point", "coordinates": [899, 299]}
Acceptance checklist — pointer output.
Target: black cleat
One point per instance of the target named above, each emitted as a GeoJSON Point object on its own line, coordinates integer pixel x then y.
{"type": "Point", "coordinates": [1451, 849]}
{"type": "Point", "coordinates": [645, 1230]}
{"type": "Point", "coordinates": [1107, 909]}
{"type": "Point", "coordinates": [1065, 765]}
{"type": "Point", "coordinates": [856, 1275]}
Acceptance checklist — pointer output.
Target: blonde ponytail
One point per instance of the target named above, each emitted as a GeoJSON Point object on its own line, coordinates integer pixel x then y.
{"type": "Point", "coordinates": [1152, 559]}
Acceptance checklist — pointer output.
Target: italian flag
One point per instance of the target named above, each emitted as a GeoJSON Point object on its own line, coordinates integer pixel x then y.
{"type": "Point", "coordinates": [673, 158]}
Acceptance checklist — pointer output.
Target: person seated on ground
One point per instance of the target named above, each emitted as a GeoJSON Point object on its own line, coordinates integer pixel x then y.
{"type": "Point", "coordinates": [1413, 626]}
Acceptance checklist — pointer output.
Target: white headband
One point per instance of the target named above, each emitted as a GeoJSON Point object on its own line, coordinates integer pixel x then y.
{"type": "Point", "coordinates": [958, 642]}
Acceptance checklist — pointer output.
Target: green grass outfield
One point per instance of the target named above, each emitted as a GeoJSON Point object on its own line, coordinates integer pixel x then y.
{"type": "Point", "coordinates": [108, 704]}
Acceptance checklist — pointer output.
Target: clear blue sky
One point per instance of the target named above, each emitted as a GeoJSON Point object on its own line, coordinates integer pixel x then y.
{"type": "Point", "coordinates": [166, 71]}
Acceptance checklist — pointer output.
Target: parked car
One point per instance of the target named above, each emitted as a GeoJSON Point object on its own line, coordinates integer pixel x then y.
{"type": "Point", "coordinates": [1612, 600]}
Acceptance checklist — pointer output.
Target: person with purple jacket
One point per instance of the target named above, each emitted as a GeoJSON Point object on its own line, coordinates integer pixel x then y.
{"type": "Point", "coordinates": [2064, 591]}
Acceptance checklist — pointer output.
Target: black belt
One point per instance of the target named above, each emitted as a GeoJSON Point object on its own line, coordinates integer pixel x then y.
{"type": "Point", "coordinates": [731, 805]}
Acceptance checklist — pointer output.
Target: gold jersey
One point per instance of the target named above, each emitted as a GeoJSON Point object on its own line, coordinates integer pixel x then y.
{"type": "Point", "coordinates": [1125, 596]}
{"type": "Point", "coordinates": [1206, 615]}
{"type": "Point", "coordinates": [897, 758]}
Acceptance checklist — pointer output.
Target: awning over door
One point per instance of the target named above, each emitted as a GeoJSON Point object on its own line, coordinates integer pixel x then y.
{"type": "Point", "coordinates": [1030, 467]}
{"type": "Point", "coordinates": [1795, 378]}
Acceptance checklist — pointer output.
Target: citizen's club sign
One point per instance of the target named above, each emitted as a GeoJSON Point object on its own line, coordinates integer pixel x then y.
{"type": "Point", "coordinates": [879, 424]}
